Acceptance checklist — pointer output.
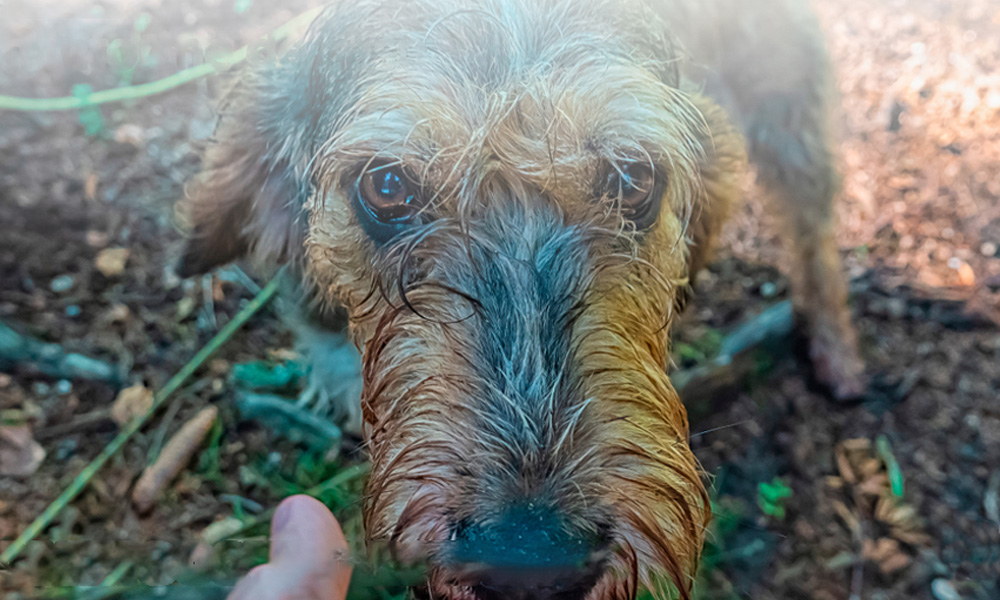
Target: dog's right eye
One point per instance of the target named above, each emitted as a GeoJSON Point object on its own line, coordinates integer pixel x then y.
{"type": "Point", "coordinates": [388, 200]}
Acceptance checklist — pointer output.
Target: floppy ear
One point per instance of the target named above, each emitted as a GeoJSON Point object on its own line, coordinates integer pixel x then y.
{"type": "Point", "coordinates": [723, 168]}
{"type": "Point", "coordinates": [248, 199]}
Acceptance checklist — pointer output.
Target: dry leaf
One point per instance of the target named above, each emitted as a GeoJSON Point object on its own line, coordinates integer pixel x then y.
{"type": "Point", "coordinates": [173, 459]}
{"type": "Point", "coordinates": [111, 261]}
{"type": "Point", "coordinates": [90, 186]}
{"type": "Point", "coordinates": [887, 554]}
{"type": "Point", "coordinates": [130, 403]}
{"type": "Point", "coordinates": [20, 454]}
{"type": "Point", "coordinates": [966, 275]}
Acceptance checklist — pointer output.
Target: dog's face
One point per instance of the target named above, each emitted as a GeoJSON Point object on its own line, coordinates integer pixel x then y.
{"type": "Point", "coordinates": [498, 193]}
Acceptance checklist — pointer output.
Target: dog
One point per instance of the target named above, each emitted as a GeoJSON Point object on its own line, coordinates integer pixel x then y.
{"type": "Point", "coordinates": [505, 202]}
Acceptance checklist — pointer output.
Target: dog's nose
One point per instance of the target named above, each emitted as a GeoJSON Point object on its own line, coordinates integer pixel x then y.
{"type": "Point", "coordinates": [528, 554]}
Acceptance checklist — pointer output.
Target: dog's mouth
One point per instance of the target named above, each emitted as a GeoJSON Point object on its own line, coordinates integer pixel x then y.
{"type": "Point", "coordinates": [487, 582]}
{"type": "Point", "coordinates": [571, 573]}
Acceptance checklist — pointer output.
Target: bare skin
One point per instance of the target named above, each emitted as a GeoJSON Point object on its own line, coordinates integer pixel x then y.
{"type": "Point", "coordinates": [308, 559]}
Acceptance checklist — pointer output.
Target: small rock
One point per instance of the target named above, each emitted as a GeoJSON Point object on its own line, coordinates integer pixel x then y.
{"type": "Point", "coordinates": [64, 387]}
{"type": "Point", "coordinates": [131, 402]}
{"type": "Point", "coordinates": [97, 239]}
{"type": "Point", "coordinates": [768, 289]}
{"type": "Point", "coordinates": [73, 311]}
{"type": "Point", "coordinates": [61, 284]}
{"type": "Point", "coordinates": [943, 589]}
{"type": "Point", "coordinates": [988, 249]}
{"type": "Point", "coordinates": [111, 261]}
{"type": "Point", "coordinates": [130, 134]}
{"type": "Point", "coordinates": [896, 307]}
{"type": "Point", "coordinates": [20, 454]}
{"type": "Point", "coordinates": [66, 448]}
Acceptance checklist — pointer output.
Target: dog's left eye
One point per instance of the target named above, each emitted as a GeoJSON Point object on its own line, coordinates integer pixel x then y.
{"type": "Point", "coordinates": [631, 185]}
{"type": "Point", "coordinates": [387, 194]}
{"type": "Point", "coordinates": [388, 201]}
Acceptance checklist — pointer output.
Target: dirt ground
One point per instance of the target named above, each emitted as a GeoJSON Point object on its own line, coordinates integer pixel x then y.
{"type": "Point", "coordinates": [806, 490]}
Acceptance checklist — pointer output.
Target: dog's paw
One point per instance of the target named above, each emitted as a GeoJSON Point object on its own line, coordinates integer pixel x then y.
{"type": "Point", "coordinates": [838, 366]}
{"type": "Point", "coordinates": [333, 371]}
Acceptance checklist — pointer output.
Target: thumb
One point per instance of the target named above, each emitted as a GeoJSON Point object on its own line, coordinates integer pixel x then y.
{"type": "Point", "coordinates": [309, 556]}
{"type": "Point", "coordinates": [306, 539]}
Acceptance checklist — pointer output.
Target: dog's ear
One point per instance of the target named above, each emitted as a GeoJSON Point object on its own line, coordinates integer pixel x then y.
{"type": "Point", "coordinates": [722, 170]}
{"type": "Point", "coordinates": [248, 199]}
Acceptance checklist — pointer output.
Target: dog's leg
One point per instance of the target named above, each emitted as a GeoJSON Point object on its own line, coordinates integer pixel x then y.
{"type": "Point", "coordinates": [334, 375]}
{"type": "Point", "coordinates": [332, 362]}
{"type": "Point", "coordinates": [789, 141]}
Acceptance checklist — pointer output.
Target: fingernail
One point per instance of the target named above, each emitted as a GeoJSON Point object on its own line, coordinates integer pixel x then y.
{"type": "Point", "coordinates": [282, 516]}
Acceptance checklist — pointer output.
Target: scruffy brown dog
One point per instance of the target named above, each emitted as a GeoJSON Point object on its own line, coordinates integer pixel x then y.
{"type": "Point", "coordinates": [509, 198]}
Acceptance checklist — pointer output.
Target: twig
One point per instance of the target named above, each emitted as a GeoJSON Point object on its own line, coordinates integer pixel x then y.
{"type": "Point", "coordinates": [83, 422]}
{"type": "Point", "coordinates": [136, 423]}
{"type": "Point", "coordinates": [153, 87]}
{"type": "Point", "coordinates": [50, 359]}
{"type": "Point", "coordinates": [160, 437]}
{"type": "Point", "coordinates": [701, 387]}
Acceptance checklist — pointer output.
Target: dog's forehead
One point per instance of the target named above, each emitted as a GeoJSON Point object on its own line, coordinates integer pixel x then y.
{"type": "Point", "coordinates": [533, 84]}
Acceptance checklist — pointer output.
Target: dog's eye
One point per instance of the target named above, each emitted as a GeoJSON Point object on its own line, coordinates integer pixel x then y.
{"type": "Point", "coordinates": [386, 201]}
{"type": "Point", "coordinates": [632, 186]}
{"type": "Point", "coordinates": [387, 195]}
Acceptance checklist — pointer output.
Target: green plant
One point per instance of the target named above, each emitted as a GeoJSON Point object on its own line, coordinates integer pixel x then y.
{"type": "Point", "coordinates": [89, 116]}
{"type": "Point", "coordinates": [123, 65]}
{"type": "Point", "coordinates": [771, 497]}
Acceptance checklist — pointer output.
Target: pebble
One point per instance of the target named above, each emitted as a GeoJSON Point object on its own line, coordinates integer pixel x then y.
{"type": "Point", "coordinates": [988, 249]}
{"type": "Point", "coordinates": [72, 311]}
{"type": "Point", "coordinates": [66, 448]}
{"type": "Point", "coordinates": [61, 284]}
{"type": "Point", "coordinates": [768, 289]}
{"type": "Point", "coordinates": [943, 589]}
{"type": "Point", "coordinates": [64, 386]}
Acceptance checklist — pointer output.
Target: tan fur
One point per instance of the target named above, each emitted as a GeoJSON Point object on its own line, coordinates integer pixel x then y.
{"type": "Point", "coordinates": [515, 342]}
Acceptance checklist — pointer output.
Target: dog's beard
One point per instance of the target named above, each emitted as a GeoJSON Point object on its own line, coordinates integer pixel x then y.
{"type": "Point", "coordinates": [536, 373]}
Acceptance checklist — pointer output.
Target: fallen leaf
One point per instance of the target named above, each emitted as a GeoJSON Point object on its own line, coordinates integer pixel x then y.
{"type": "Point", "coordinates": [886, 553]}
{"type": "Point", "coordinates": [20, 454]}
{"type": "Point", "coordinates": [111, 261]}
{"type": "Point", "coordinates": [131, 402]}
{"type": "Point", "coordinates": [966, 275]}
{"type": "Point", "coordinates": [90, 186]}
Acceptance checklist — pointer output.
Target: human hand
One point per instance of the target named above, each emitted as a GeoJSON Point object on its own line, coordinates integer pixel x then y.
{"type": "Point", "coordinates": [309, 558]}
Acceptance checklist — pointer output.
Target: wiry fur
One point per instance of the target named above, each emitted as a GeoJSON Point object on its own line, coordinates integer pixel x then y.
{"type": "Point", "coordinates": [515, 343]}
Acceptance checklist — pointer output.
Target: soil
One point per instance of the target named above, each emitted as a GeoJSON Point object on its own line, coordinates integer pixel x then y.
{"type": "Point", "coordinates": [802, 485]}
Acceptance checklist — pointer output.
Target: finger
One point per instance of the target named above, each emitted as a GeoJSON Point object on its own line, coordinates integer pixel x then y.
{"type": "Point", "coordinates": [307, 541]}
{"type": "Point", "coordinates": [254, 585]}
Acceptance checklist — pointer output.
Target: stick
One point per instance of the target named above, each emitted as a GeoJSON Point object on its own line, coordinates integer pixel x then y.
{"type": "Point", "coordinates": [136, 423]}
{"type": "Point", "coordinates": [701, 387]}
{"type": "Point", "coordinates": [50, 359]}
{"type": "Point", "coordinates": [153, 87]}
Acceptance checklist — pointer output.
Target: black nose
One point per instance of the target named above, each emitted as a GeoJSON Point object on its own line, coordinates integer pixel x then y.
{"type": "Point", "coordinates": [528, 553]}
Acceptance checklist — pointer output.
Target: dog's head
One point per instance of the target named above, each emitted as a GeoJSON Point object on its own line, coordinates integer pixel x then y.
{"type": "Point", "coordinates": [499, 193]}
